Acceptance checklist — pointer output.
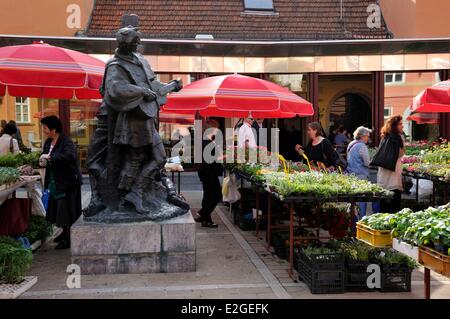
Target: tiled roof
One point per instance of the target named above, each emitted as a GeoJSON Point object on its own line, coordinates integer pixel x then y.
{"type": "Point", "coordinates": [226, 19]}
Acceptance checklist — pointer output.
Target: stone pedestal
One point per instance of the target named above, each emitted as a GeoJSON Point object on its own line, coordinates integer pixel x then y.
{"type": "Point", "coordinates": [143, 247]}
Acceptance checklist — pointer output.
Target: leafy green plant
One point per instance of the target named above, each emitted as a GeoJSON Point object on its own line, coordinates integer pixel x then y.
{"type": "Point", "coordinates": [321, 254]}
{"type": "Point", "coordinates": [379, 221]}
{"type": "Point", "coordinates": [14, 260]}
{"type": "Point", "coordinates": [429, 227]}
{"type": "Point", "coordinates": [391, 258]}
{"type": "Point", "coordinates": [38, 229]}
{"type": "Point", "coordinates": [16, 160]}
{"type": "Point", "coordinates": [8, 175]}
{"type": "Point", "coordinates": [320, 184]}
{"type": "Point", "coordinates": [356, 251]}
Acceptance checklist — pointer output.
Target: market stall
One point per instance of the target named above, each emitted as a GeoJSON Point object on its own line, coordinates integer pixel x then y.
{"type": "Point", "coordinates": [300, 187]}
{"type": "Point", "coordinates": [432, 163]}
{"type": "Point", "coordinates": [42, 71]}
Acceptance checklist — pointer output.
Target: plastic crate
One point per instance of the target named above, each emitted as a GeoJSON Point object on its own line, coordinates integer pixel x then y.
{"type": "Point", "coordinates": [247, 224]}
{"type": "Point", "coordinates": [356, 277]}
{"type": "Point", "coordinates": [395, 279]}
{"type": "Point", "coordinates": [323, 261]}
{"type": "Point", "coordinates": [375, 238]}
{"type": "Point", "coordinates": [282, 252]}
{"type": "Point", "coordinates": [434, 260]}
{"type": "Point", "coordinates": [320, 281]}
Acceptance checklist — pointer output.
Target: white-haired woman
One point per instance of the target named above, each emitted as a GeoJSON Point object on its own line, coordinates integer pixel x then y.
{"type": "Point", "coordinates": [358, 159]}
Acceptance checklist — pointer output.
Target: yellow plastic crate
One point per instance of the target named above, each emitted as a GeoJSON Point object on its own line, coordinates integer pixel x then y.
{"type": "Point", "coordinates": [375, 238]}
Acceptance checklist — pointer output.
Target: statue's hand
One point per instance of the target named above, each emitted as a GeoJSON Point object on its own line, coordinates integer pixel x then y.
{"type": "Point", "coordinates": [179, 84]}
{"type": "Point", "coordinates": [149, 95]}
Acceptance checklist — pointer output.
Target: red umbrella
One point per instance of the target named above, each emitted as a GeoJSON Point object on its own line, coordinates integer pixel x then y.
{"type": "Point", "coordinates": [424, 118]}
{"type": "Point", "coordinates": [172, 118]}
{"type": "Point", "coordinates": [433, 99]}
{"type": "Point", "coordinates": [44, 71]}
{"type": "Point", "coordinates": [238, 96]}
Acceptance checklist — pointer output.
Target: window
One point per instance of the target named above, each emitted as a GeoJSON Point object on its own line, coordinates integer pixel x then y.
{"type": "Point", "coordinates": [258, 5]}
{"type": "Point", "coordinates": [387, 111]}
{"type": "Point", "coordinates": [22, 110]}
{"type": "Point", "coordinates": [392, 78]}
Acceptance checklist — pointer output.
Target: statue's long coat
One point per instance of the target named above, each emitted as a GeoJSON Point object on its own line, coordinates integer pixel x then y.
{"type": "Point", "coordinates": [125, 81]}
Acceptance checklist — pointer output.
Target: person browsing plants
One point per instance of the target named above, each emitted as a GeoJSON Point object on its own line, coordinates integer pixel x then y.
{"type": "Point", "coordinates": [8, 144]}
{"type": "Point", "coordinates": [388, 160]}
{"type": "Point", "coordinates": [319, 149]}
{"type": "Point", "coordinates": [62, 179]}
{"type": "Point", "coordinates": [358, 159]}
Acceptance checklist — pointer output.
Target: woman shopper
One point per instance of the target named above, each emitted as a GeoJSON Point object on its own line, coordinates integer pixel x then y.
{"type": "Point", "coordinates": [62, 179]}
{"type": "Point", "coordinates": [388, 160]}
{"type": "Point", "coordinates": [8, 144]}
{"type": "Point", "coordinates": [358, 159]}
{"type": "Point", "coordinates": [319, 149]}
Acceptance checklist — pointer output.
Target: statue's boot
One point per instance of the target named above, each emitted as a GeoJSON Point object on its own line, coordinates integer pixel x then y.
{"type": "Point", "coordinates": [95, 206]}
{"type": "Point", "coordinates": [135, 197]}
{"type": "Point", "coordinates": [172, 196]}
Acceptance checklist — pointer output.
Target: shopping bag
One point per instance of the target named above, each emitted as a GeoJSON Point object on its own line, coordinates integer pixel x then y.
{"type": "Point", "coordinates": [14, 216]}
{"type": "Point", "coordinates": [387, 154]}
{"type": "Point", "coordinates": [45, 198]}
{"type": "Point", "coordinates": [230, 189]}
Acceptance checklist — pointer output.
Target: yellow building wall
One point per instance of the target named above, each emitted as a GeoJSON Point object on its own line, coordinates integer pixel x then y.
{"type": "Point", "coordinates": [30, 131]}
{"type": "Point", "coordinates": [44, 17]}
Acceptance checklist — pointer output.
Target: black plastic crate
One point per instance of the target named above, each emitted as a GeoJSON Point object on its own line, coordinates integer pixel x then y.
{"type": "Point", "coordinates": [247, 224]}
{"type": "Point", "coordinates": [321, 281]}
{"type": "Point", "coordinates": [322, 272]}
{"type": "Point", "coordinates": [356, 276]}
{"type": "Point", "coordinates": [281, 251]}
{"type": "Point", "coordinates": [279, 237]}
{"type": "Point", "coordinates": [395, 279]}
{"type": "Point", "coordinates": [323, 261]}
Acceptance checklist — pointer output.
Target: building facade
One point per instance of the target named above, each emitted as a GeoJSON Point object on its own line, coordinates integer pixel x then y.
{"type": "Point", "coordinates": [339, 55]}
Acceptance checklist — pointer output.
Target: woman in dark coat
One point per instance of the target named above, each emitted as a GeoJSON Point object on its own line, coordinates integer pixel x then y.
{"type": "Point", "coordinates": [62, 179]}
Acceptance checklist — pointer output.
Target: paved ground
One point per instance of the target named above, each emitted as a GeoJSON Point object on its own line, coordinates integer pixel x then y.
{"type": "Point", "coordinates": [230, 264]}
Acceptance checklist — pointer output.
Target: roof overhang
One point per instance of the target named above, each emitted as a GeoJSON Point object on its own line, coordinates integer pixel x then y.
{"type": "Point", "coordinates": [246, 48]}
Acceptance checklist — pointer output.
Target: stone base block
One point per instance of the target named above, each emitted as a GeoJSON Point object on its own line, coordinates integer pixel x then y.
{"type": "Point", "coordinates": [144, 247]}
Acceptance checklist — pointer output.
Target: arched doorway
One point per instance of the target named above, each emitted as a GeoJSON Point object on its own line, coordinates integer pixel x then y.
{"type": "Point", "coordinates": [351, 110]}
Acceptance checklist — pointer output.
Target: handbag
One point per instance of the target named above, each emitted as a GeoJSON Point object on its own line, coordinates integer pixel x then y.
{"type": "Point", "coordinates": [11, 145]}
{"type": "Point", "coordinates": [14, 215]}
{"type": "Point", "coordinates": [387, 154]}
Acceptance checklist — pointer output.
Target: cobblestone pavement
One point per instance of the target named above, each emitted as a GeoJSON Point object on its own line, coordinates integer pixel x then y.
{"type": "Point", "coordinates": [230, 264]}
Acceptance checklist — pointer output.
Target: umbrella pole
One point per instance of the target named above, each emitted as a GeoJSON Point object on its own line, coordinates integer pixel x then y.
{"type": "Point", "coordinates": [64, 115]}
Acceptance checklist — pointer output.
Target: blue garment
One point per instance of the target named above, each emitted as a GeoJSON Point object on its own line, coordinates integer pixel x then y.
{"type": "Point", "coordinates": [356, 163]}
{"type": "Point", "coordinates": [341, 140]}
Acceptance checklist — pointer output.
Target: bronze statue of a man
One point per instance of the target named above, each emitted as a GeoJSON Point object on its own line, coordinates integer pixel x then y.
{"type": "Point", "coordinates": [135, 156]}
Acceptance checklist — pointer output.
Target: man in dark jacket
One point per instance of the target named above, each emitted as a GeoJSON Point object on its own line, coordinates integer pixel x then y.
{"type": "Point", "coordinates": [209, 172]}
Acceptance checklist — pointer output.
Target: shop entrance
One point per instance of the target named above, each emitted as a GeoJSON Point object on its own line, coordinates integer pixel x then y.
{"type": "Point", "coordinates": [351, 110]}
{"type": "Point", "coordinates": [345, 100]}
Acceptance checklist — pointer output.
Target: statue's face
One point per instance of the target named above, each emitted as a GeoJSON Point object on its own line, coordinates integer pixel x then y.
{"type": "Point", "coordinates": [129, 38]}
